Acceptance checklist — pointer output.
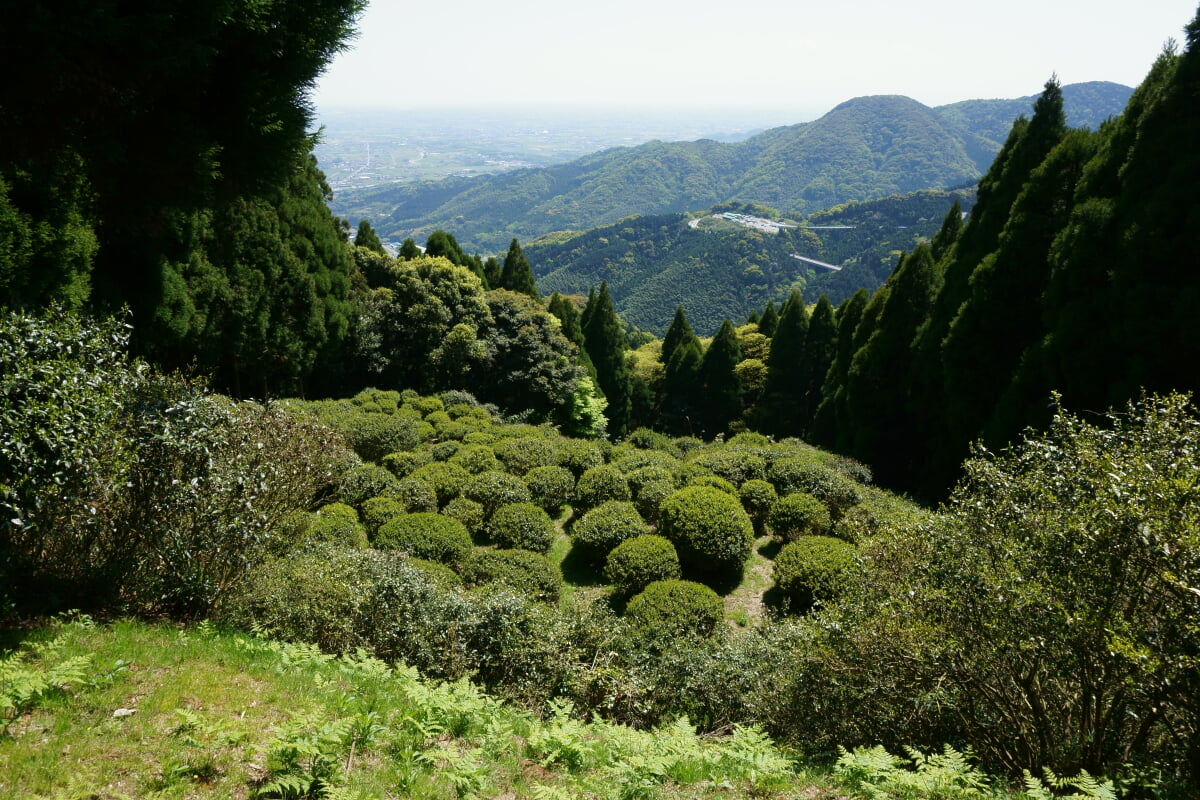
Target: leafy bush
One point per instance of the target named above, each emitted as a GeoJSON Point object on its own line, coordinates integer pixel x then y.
{"type": "Point", "coordinates": [580, 455]}
{"type": "Point", "coordinates": [715, 482]}
{"type": "Point", "coordinates": [636, 563]}
{"type": "Point", "coordinates": [798, 514]}
{"type": "Point", "coordinates": [446, 480]}
{"type": "Point", "coordinates": [605, 527]}
{"type": "Point", "coordinates": [757, 498]}
{"type": "Point", "coordinates": [476, 458]}
{"type": "Point", "coordinates": [416, 495]}
{"type": "Point", "coordinates": [646, 439]}
{"type": "Point", "coordinates": [444, 451]}
{"type": "Point", "coordinates": [337, 523]}
{"type": "Point", "coordinates": [403, 463]}
{"type": "Point", "coordinates": [813, 569]}
{"type": "Point", "coordinates": [526, 453]}
{"type": "Point", "coordinates": [735, 466]}
{"type": "Point", "coordinates": [426, 535]}
{"type": "Point", "coordinates": [836, 491]}
{"type": "Point", "coordinates": [373, 435]}
{"type": "Point", "coordinates": [438, 573]}
{"type": "Point", "coordinates": [650, 473]}
{"type": "Point", "coordinates": [379, 510]}
{"type": "Point", "coordinates": [364, 481]}
{"type": "Point", "coordinates": [494, 489]}
{"type": "Point", "coordinates": [710, 531]}
{"type": "Point", "coordinates": [551, 487]}
{"type": "Point", "coordinates": [598, 485]}
{"type": "Point", "coordinates": [674, 607]}
{"type": "Point", "coordinates": [522, 526]}
{"type": "Point", "coordinates": [468, 512]}
{"type": "Point", "coordinates": [650, 497]}
{"type": "Point", "coordinates": [530, 573]}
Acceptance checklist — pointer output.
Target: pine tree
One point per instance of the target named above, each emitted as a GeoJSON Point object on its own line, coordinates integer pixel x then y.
{"type": "Point", "coordinates": [951, 228]}
{"type": "Point", "coordinates": [779, 411]}
{"type": "Point", "coordinates": [366, 237]}
{"type": "Point", "coordinates": [517, 275]}
{"type": "Point", "coordinates": [409, 250]}
{"type": "Point", "coordinates": [769, 320]}
{"type": "Point", "coordinates": [820, 346]}
{"type": "Point", "coordinates": [491, 273]}
{"type": "Point", "coordinates": [679, 330]}
{"type": "Point", "coordinates": [831, 414]}
{"type": "Point", "coordinates": [605, 344]}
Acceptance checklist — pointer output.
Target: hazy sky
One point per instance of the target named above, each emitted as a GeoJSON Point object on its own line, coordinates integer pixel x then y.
{"type": "Point", "coordinates": [795, 54]}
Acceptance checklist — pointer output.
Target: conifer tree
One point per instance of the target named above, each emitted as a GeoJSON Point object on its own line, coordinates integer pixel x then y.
{"type": "Point", "coordinates": [769, 320]}
{"type": "Point", "coordinates": [831, 414]}
{"type": "Point", "coordinates": [778, 412]}
{"type": "Point", "coordinates": [605, 344]}
{"type": "Point", "coordinates": [679, 330]}
{"type": "Point", "coordinates": [568, 315]}
{"type": "Point", "coordinates": [517, 275]}
{"type": "Point", "coordinates": [366, 237]}
{"type": "Point", "coordinates": [948, 234]}
{"type": "Point", "coordinates": [719, 382]}
{"type": "Point", "coordinates": [491, 272]}
{"type": "Point", "coordinates": [681, 386]}
{"type": "Point", "coordinates": [820, 346]}
{"type": "Point", "coordinates": [409, 250]}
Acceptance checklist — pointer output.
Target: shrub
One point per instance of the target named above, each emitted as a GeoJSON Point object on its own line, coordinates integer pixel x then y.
{"type": "Point", "coordinates": [403, 463]}
{"type": "Point", "coordinates": [605, 527]}
{"type": "Point", "coordinates": [373, 435]}
{"type": "Point", "coordinates": [836, 491]}
{"type": "Point", "coordinates": [426, 535]}
{"type": "Point", "coordinates": [735, 466]}
{"type": "Point", "coordinates": [444, 451]}
{"type": "Point", "coordinates": [710, 531]}
{"type": "Point", "coordinates": [446, 480]}
{"type": "Point", "coordinates": [580, 455]}
{"type": "Point", "coordinates": [715, 482]}
{"type": "Point", "coordinates": [646, 439]}
{"type": "Point", "coordinates": [813, 569]}
{"type": "Point", "coordinates": [757, 498]}
{"type": "Point", "coordinates": [650, 473]}
{"type": "Point", "coordinates": [468, 512]}
{"type": "Point", "coordinates": [687, 444]}
{"type": "Point", "coordinates": [598, 485]}
{"type": "Point", "coordinates": [796, 515]}
{"type": "Point", "coordinates": [416, 495]}
{"type": "Point", "coordinates": [551, 487]}
{"type": "Point", "coordinates": [674, 607]}
{"type": "Point", "coordinates": [365, 481]}
{"type": "Point", "coordinates": [438, 573]}
{"type": "Point", "coordinates": [530, 573]}
{"type": "Point", "coordinates": [636, 563]}
{"type": "Point", "coordinates": [650, 497]}
{"type": "Point", "coordinates": [522, 526]}
{"type": "Point", "coordinates": [336, 523]}
{"type": "Point", "coordinates": [528, 452]}
{"type": "Point", "coordinates": [630, 460]}
{"type": "Point", "coordinates": [476, 458]}
{"type": "Point", "coordinates": [379, 510]}
{"type": "Point", "coordinates": [494, 489]}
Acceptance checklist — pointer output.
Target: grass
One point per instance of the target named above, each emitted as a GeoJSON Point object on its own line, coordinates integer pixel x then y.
{"type": "Point", "coordinates": [171, 712]}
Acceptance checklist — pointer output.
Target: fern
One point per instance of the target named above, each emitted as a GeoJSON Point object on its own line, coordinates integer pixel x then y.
{"type": "Point", "coordinates": [1086, 787]}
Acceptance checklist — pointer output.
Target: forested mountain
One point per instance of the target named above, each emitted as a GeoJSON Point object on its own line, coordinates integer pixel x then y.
{"type": "Point", "coordinates": [718, 269]}
{"type": "Point", "coordinates": [865, 148]}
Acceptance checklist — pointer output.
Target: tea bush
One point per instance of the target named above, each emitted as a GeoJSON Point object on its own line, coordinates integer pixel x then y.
{"type": "Point", "coordinates": [580, 455]}
{"type": "Point", "coordinates": [598, 485]}
{"type": "Point", "coordinates": [360, 483]}
{"type": "Point", "coordinates": [636, 563]}
{"type": "Point", "coordinates": [522, 526]}
{"type": "Point", "coordinates": [798, 514]}
{"type": "Point", "coordinates": [650, 497]}
{"type": "Point", "coordinates": [476, 458]}
{"type": "Point", "coordinates": [526, 453]}
{"type": "Point", "coordinates": [416, 495]}
{"type": "Point", "coordinates": [468, 512]}
{"type": "Point", "coordinates": [373, 435]}
{"type": "Point", "coordinates": [604, 527]}
{"type": "Point", "coordinates": [493, 489]}
{"type": "Point", "coordinates": [403, 463]}
{"type": "Point", "coordinates": [551, 487]}
{"type": "Point", "coordinates": [446, 480]}
{"type": "Point", "coordinates": [379, 510]}
{"type": "Point", "coordinates": [426, 535]}
{"type": "Point", "coordinates": [710, 531]}
{"type": "Point", "coordinates": [337, 523]}
{"type": "Point", "coordinates": [813, 569]}
{"type": "Point", "coordinates": [757, 498]}
{"type": "Point", "coordinates": [530, 573]}
{"type": "Point", "coordinates": [676, 607]}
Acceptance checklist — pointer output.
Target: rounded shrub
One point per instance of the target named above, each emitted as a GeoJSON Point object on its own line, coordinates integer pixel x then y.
{"type": "Point", "coordinates": [647, 439]}
{"type": "Point", "coordinates": [360, 483]}
{"type": "Point", "coordinates": [675, 607]}
{"type": "Point", "coordinates": [521, 455]}
{"type": "Point", "coordinates": [476, 458]}
{"type": "Point", "coordinates": [580, 455]}
{"type": "Point", "coordinates": [636, 563]}
{"type": "Point", "coordinates": [403, 463]}
{"type": "Point", "coordinates": [598, 485]}
{"type": "Point", "coordinates": [522, 526]}
{"type": "Point", "coordinates": [735, 466]}
{"type": "Point", "coordinates": [468, 512]}
{"type": "Point", "coordinates": [798, 514]}
{"type": "Point", "coordinates": [551, 487]}
{"type": "Point", "coordinates": [813, 569]}
{"type": "Point", "coordinates": [530, 573]}
{"type": "Point", "coordinates": [710, 531]}
{"type": "Point", "coordinates": [641, 476]}
{"type": "Point", "coordinates": [374, 435]}
{"type": "Point", "coordinates": [378, 510]}
{"type": "Point", "coordinates": [836, 491]}
{"type": "Point", "coordinates": [604, 527]}
{"type": "Point", "coordinates": [650, 497]}
{"type": "Point", "coordinates": [715, 482]}
{"type": "Point", "coordinates": [446, 480]}
{"type": "Point", "coordinates": [338, 523]}
{"type": "Point", "coordinates": [444, 451]}
{"type": "Point", "coordinates": [438, 573]}
{"type": "Point", "coordinates": [493, 489]}
{"type": "Point", "coordinates": [757, 498]}
{"type": "Point", "coordinates": [416, 495]}
{"type": "Point", "coordinates": [426, 535]}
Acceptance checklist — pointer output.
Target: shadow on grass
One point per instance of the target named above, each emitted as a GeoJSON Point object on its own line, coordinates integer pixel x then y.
{"type": "Point", "coordinates": [770, 548]}
{"type": "Point", "coordinates": [577, 571]}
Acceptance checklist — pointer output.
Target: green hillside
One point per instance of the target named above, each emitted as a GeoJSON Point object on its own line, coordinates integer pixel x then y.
{"type": "Point", "coordinates": [720, 270]}
{"type": "Point", "coordinates": [868, 147]}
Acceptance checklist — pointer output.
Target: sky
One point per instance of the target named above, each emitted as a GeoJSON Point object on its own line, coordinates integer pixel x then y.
{"type": "Point", "coordinates": [799, 55]}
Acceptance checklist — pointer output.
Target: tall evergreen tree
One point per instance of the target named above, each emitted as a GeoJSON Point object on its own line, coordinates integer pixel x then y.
{"type": "Point", "coordinates": [719, 382]}
{"type": "Point", "coordinates": [831, 414]}
{"type": "Point", "coordinates": [366, 237]}
{"type": "Point", "coordinates": [951, 228]}
{"type": "Point", "coordinates": [517, 275]}
{"type": "Point", "coordinates": [491, 272]}
{"type": "Point", "coordinates": [679, 330]}
{"type": "Point", "coordinates": [769, 320]}
{"type": "Point", "coordinates": [778, 412]}
{"type": "Point", "coordinates": [605, 344]}
{"type": "Point", "coordinates": [409, 250]}
{"type": "Point", "coordinates": [568, 315]}
{"type": "Point", "coordinates": [820, 346]}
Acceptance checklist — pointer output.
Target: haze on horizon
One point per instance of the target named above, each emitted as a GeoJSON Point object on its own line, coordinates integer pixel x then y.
{"type": "Point", "coordinates": [796, 56]}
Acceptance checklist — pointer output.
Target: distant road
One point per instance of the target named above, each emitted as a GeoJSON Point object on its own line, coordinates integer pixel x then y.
{"type": "Point", "coordinates": [816, 263]}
